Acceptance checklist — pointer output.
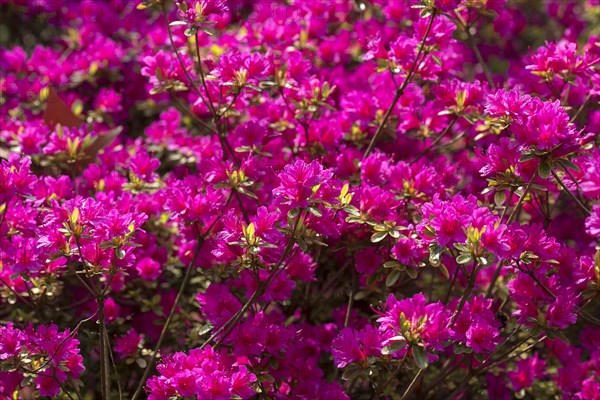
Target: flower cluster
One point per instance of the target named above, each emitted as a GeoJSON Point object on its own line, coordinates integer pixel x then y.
{"type": "Point", "coordinates": [42, 356]}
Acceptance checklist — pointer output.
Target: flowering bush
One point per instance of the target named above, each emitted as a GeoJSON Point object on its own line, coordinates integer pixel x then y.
{"type": "Point", "coordinates": [324, 199]}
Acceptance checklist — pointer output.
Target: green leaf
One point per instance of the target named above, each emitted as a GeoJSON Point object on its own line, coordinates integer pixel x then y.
{"type": "Point", "coordinates": [315, 212]}
{"type": "Point", "coordinates": [412, 273]}
{"type": "Point", "coordinates": [392, 278]}
{"type": "Point", "coordinates": [464, 259]}
{"type": "Point", "coordinates": [266, 378]}
{"type": "Point", "coordinates": [553, 334]}
{"type": "Point", "coordinates": [444, 270]}
{"type": "Point", "coordinates": [528, 157]}
{"type": "Point", "coordinates": [393, 347]}
{"type": "Point", "coordinates": [351, 372]}
{"type": "Point", "coordinates": [190, 31]}
{"type": "Point", "coordinates": [436, 59]}
{"type": "Point", "coordinates": [544, 169]}
{"type": "Point", "coordinates": [420, 357]}
{"type": "Point", "coordinates": [352, 211]}
{"type": "Point", "coordinates": [141, 362]}
{"type": "Point", "coordinates": [571, 165]}
{"type": "Point", "coordinates": [293, 213]}
{"type": "Point", "coordinates": [378, 236]}
{"type": "Point", "coordinates": [120, 253]}
{"type": "Point", "coordinates": [391, 264]}
{"type": "Point", "coordinates": [499, 198]}
{"type": "Point", "coordinates": [395, 234]}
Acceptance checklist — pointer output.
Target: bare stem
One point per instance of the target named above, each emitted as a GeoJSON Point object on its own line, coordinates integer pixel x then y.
{"type": "Point", "coordinates": [186, 279]}
{"type": "Point", "coordinates": [581, 108]}
{"type": "Point", "coordinates": [104, 359]}
{"type": "Point", "coordinates": [184, 283]}
{"type": "Point", "coordinates": [412, 385]}
{"type": "Point", "coordinates": [400, 91]}
{"type": "Point", "coordinates": [351, 298]}
{"type": "Point", "coordinates": [571, 195]}
{"type": "Point", "coordinates": [435, 141]}
{"type": "Point", "coordinates": [515, 212]}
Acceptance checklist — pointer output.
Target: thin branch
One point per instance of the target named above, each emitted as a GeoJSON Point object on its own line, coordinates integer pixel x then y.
{"type": "Point", "coordinates": [23, 299]}
{"type": "Point", "coordinates": [474, 48]}
{"type": "Point", "coordinates": [187, 74]}
{"type": "Point", "coordinates": [104, 374]}
{"type": "Point", "coordinates": [575, 199]}
{"type": "Point", "coordinates": [351, 297]}
{"type": "Point", "coordinates": [184, 283]}
{"type": "Point", "coordinates": [513, 215]}
{"type": "Point", "coordinates": [412, 385]}
{"type": "Point", "coordinates": [62, 342]}
{"type": "Point", "coordinates": [400, 92]}
{"type": "Point", "coordinates": [581, 108]}
{"type": "Point", "coordinates": [186, 279]}
{"type": "Point", "coordinates": [436, 141]}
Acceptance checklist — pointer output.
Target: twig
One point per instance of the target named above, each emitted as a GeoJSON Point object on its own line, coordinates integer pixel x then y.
{"type": "Point", "coordinates": [436, 141]}
{"type": "Point", "coordinates": [411, 387]}
{"type": "Point", "coordinates": [187, 74]}
{"type": "Point", "coordinates": [475, 48]}
{"type": "Point", "coordinates": [470, 285]}
{"type": "Point", "coordinates": [513, 215]}
{"type": "Point", "coordinates": [184, 283]}
{"type": "Point", "coordinates": [23, 299]}
{"type": "Point", "coordinates": [104, 374]}
{"type": "Point", "coordinates": [351, 298]}
{"type": "Point", "coordinates": [186, 279]}
{"type": "Point", "coordinates": [400, 92]}
{"type": "Point", "coordinates": [575, 199]}
{"type": "Point", "coordinates": [581, 108]}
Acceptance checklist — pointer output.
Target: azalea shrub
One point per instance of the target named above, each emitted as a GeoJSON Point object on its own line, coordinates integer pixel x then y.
{"type": "Point", "coordinates": [320, 199]}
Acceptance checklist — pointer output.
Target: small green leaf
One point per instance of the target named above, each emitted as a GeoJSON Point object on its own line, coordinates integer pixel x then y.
{"type": "Point", "coordinates": [436, 59]}
{"type": "Point", "coordinates": [444, 271]}
{"type": "Point", "coordinates": [391, 264]}
{"type": "Point", "coordinates": [412, 272]}
{"type": "Point", "coordinates": [378, 236]}
{"type": "Point", "coordinates": [464, 259]}
{"type": "Point", "coordinates": [544, 169]}
{"type": "Point", "coordinates": [314, 211]}
{"type": "Point", "coordinates": [351, 372]}
{"type": "Point", "coordinates": [120, 253]}
{"type": "Point", "coordinates": [190, 31]}
{"type": "Point", "coordinates": [528, 157]}
{"type": "Point", "coordinates": [293, 213]}
{"type": "Point", "coordinates": [570, 164]}
{"type": "Point", "coordinates": [499, 198]}
{"type": "Point", "coordinates": [420, 357]}
{"type": "Point", "coordinates": [266, 378]}
{"type": "Point", "coordinates": [393, 347]}
{"type": "Point", "coordinates": [392, 278]}
{"type": "Point", "coordinates": [352, 210]}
